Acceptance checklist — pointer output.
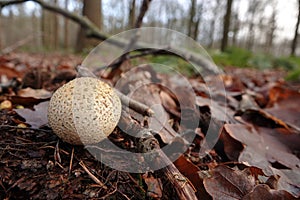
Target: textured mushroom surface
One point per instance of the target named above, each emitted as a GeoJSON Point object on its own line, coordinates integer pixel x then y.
{"type": "Point", "coordinates": [84, 111]}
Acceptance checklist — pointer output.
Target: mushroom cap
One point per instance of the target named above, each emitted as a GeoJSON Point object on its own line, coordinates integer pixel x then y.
{"type": "Point", "coordinates": [84, 111]}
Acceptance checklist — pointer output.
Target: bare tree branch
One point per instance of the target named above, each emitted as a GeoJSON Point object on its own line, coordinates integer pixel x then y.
{"type": "Point", "coordinates": [7, 3]}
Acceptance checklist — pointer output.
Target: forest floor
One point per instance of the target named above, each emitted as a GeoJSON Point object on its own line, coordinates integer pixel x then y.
{"type": "Point", "coordinates": [256, 156]}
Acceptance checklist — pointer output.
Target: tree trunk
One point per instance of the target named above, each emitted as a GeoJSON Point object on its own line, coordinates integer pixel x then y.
{"type": "Point", "coordinates": [226, 25]}
{"type": "Point", "coordinates": [192, 16]}
{"type": "Point", "coordinates": [66, 28]}
{"type": "Point", "coordinates": [294, 43]}
{"type": "Point", "coordinates": [1, 30]}
{"type": "Point", "coordinates": [131, 16]}
{"type": "Point", "coordinates": [93, 11]}
{"type": "Point", "coordinates": [236, 28]}
{"type": "Point", "coordinates": [196, 29]}
{"type": "Point", "coordinates": [55, 29]}
{"type": "Point", "coordinates": [45, 28]}
{"type": "Point", "coordinates": [250, 40]}
{"type": "Point", "coordinates": [212, 27]}
{"type": "Point", "coordinates": [271, 32]}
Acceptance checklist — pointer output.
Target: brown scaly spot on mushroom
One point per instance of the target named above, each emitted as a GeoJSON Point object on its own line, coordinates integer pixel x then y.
{"type": "Point", "coordinates": [84, 111]}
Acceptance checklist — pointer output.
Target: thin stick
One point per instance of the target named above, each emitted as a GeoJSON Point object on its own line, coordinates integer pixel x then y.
{"type": "Point", "coordinates": [71, 161]}
{"type": "Point", "coordinates": [135, 105]}
{"type": "Point", "coordinates": [94, 178]}
{"type": "Point", "coordinates": [126, 101]}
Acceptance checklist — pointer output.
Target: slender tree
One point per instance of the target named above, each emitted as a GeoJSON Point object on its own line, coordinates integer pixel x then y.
{"type": "Point", "coordinates": [272, 26]}
{"type": "Point", "coordinates": [93, 11]}
{"type": "Point", "coordinates": [294, 43]}
{"type": "Point", "coordinates": [1, 29]}
{"type": "Point", "coordinates": [131, 16]}
{"type": "Point", "coordinates": [192, 13]}
{"type": "Point", "coordinates": [215, 13]}
{"type": "Point", "coordinates": [236, 28]}
{"type": "Point", "coordinates": [226, 25]}
{"type": "Point", "coordinates": [66, 28]}
{"type": "Point", "coordinates": [55, 28]}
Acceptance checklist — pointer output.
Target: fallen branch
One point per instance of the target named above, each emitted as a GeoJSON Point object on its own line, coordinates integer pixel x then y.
{"type": "Point", "coordinates": [135, 105]}
{"type": "Point", "coordinates": [183, 187]}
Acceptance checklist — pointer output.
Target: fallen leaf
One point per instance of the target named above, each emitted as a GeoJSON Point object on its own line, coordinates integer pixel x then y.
{"type": "Point", "coordinates": [226, 183]}
{"type": "Point", "coordinates": [9, 72]}
{"type": "Point", "coordinates": [263, 147]}
{"type": "Point", "coordinates": [29, 97]}
{"type": "Point", "coordinates": [34, 93]}
{"type": "Point", "coordinates": [284, 105]}
{"type": "Point", "coordinates": [154, 186]}
{"type": "Point", "coordinates": [264, 192]}
{"type": "Point", "coordinates": [289, 180]}
{"type": "Point", "coordinates": [191, 171]}
{"type": "Point", "coordinates": [36, 117]}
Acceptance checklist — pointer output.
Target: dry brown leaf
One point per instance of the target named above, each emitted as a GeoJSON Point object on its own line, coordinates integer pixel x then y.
{"type": "Point", "coordinates": [36, 117]}
{"type": "Point", "coordinates": [264, 192]}
{"type": "Point", "coordinates": [9, 72]}
{"type": "Point", "coordinates": [226, 183]}
{"type": "Point", "coordinates": [29, 97]}
{"type": "Point", "coordinates": [191, 171]}
{"type": "Point", "coordinates": [34, 93]}
{"type": "Point", "coordinates": [284, 105]}
{"type": "Point", "coordinates": [264, 146]}
{"type": "Point", "coordinates": [154, 185]}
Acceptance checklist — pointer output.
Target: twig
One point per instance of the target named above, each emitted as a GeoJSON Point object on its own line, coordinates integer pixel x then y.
{"type": "Point", "coordinates": [181, 184]}
{"type": "Point", "coordinates": [71, 161]}
{"type": "Point", "coordinates": [126, 101]}
{"type": "Point", "coordinates": [94, 178]}
{"type": "Point", "coordinates": [135, 105]}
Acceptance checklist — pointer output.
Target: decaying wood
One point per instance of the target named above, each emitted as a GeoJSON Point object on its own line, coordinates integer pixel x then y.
{"type": "Point", "coordinates": [182, 186]}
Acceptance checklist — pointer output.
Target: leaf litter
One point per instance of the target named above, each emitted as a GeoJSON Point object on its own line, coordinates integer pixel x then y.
{"type": "Point", "coordinates": [256, 156]}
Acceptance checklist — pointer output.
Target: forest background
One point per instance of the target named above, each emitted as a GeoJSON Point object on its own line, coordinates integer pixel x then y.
{"type": "Point", "coordinates": [245, 33]}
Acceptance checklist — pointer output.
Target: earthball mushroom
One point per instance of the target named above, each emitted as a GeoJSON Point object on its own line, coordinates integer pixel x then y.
{"type": "Point", "coordinates": [84, 111]}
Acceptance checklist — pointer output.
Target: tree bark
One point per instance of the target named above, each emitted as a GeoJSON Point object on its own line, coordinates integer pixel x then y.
{"type": "Point", "coordinates": [226, 25]}
{"type": "Point", "coordinates": [236, 27]}
{"type": "Point", "coordinates": [191, 19]}
{"type": "Point", "coordinates": [55, 29]}
{"type": "Point", "coordinates": [271, 32]}
{"type": "Point", "coordinates": [1, 29]}
{"type": "Point", "coordinates": [92, 10]}
{"type": "Point", "coordinates": [66, 28]}
{"type": "Point", "coordinates": [294, 43]}
{"type": "Point", "coordinates": [131, 17]}
{"type": "Point", "coordinates": [45, 28]}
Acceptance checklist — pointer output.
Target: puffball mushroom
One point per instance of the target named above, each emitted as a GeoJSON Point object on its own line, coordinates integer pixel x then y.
{"type": "Point", "coordinates": [84, 111]}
